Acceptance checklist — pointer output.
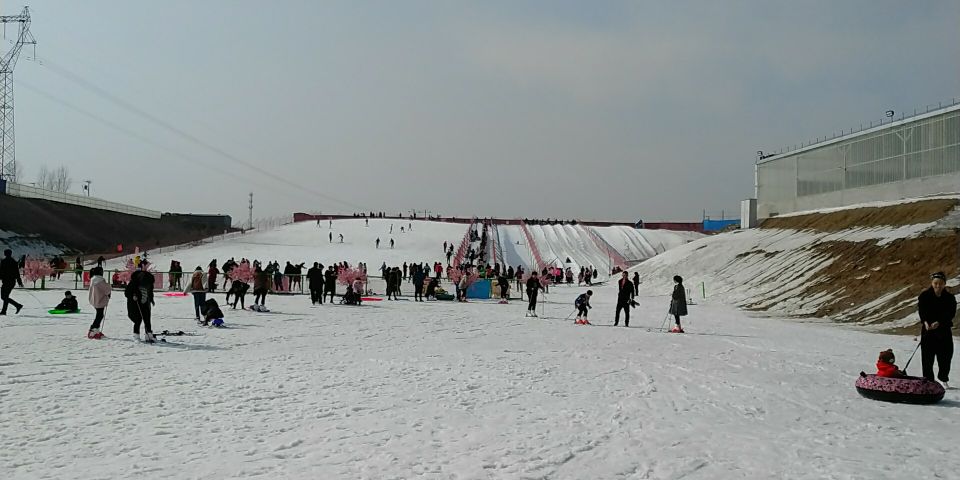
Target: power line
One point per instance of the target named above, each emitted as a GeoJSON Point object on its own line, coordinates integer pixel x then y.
{"type": "Point", "coordinates": [120, 128]}
{"type": "Point", "coordinates": [193, 139]}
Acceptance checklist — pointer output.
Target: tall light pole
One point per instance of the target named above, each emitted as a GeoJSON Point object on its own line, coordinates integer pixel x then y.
{"type": "Point", "coordinates": [7, 158]}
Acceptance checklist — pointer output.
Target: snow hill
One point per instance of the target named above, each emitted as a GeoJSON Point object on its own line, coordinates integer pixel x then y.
{"type": "Point", "coordinates": [863, 264]}
{"type": "Point", "coordinates": [557, 243]}
{"type": "Point", "coordinates": [445, 390]}
{"type": "Point", "coordinates": [310, 242]}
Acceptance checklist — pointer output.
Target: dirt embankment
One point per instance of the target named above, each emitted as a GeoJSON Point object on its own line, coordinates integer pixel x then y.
{"type": "Point", "coordinates": [923, 211]}
{"type": "Point", "coordinates": [91, 231]}
{"type": "Point", "coordinates": [889, 276]}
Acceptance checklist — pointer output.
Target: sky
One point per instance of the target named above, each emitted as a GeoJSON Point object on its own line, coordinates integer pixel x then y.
{"type": "Point", "coordinates": [561, 109]}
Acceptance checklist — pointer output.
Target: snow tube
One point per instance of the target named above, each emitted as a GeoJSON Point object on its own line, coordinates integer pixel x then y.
{"type": "Point", "coordinates": [371, 299]}
{"type": "Point", "coordinates": [174, 294]}
{"type": "Point", "coordinates": [914, 390]}
{"type": "Point", "coordinates": [62, 312]}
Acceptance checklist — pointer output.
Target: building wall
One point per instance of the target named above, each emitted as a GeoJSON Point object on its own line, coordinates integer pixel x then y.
{"type": "Point", "coordinates": [909, 158]}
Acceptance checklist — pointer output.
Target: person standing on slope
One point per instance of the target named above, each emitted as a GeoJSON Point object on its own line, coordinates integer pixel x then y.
{"type": "Point", "coordinates": [378, 242]}
{"type": "Point", "coordinates": [9, 277]}
{"type": "Point", "coordinates": [636, 284]}
{"type": "Point", "coordinates": [330, 283]}
{"type": "Point", "coordinates": [624, 299]}
{"type": "Point", "coordinates": [261, 279]}
{"type": "Point", "coordinates": [195, 288]}
{"type": "Point", "coordinates": [391, 244]}
{"type": "Point", "coordinates": [533, 289]}
{"type": "Point", "coordinates": [678, 303]}
{"type": "Point", "coordinates": [212, 273]}
{"type": "Point", "coordinates": [315, 283]}
{"type": "Point", "coordinates": [99, 297]}
{"type": "Point", "coordinates": [937, 308]}
{"type": "Point", "coordinates": [419, 276]}
{"type": "Point", "coordinates": [139, 293]}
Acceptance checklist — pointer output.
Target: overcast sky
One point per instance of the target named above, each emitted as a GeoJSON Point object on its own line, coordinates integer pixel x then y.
{"type": "Point", "coordinates": [569, 109]}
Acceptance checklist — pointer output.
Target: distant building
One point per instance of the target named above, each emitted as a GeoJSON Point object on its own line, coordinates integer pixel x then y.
{"type": "Point", "coordinates": [911, 157]}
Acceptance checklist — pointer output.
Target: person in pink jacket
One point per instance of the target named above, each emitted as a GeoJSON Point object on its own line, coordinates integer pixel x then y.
{"type": "Point", "coordinates": [99, 298]}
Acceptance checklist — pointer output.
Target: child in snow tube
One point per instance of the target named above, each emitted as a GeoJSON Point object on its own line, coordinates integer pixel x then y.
{"type": "Point", "coordinates": [886, 366]}
{"type": "Point", "coordinates": [891, 384]}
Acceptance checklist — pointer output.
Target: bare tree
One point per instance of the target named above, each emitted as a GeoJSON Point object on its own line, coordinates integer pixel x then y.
{"type": "Point", "coordinates": [61, 179]}
{"type": "Point", "coordinates": [43, 177]}
{"type": "Point", "coordinates": [58, 180]}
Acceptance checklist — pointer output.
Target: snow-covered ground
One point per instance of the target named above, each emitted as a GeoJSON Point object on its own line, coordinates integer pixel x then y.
{"type": "Point", "coordinates": [401, 389]}
{"type": "Point", "coordinates": [445, 390]}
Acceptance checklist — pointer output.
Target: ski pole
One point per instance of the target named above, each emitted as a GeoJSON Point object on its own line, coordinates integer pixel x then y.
{"type": "Point", "coordinates": [911, 357]}
{"type": "Point", "coordinates": [664, 323]}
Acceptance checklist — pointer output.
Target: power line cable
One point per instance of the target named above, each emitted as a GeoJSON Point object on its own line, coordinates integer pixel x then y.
{"type": "Point", "coordinates": [63, 72]}
{"type": "Point", "coordinates": [120, 128]}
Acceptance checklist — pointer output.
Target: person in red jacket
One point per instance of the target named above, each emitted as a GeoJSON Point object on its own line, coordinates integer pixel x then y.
{"type": "Point", "coordinates": [886, 366]}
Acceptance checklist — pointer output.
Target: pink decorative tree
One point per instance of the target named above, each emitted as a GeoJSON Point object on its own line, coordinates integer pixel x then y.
{"type": "Point", "coordinates": [125, 275]}
{"type": "Point", "coordinates": [35, 269]}
{"type": "Point", "coordinates": [241, 273]}
{"type": "Point", "coordinates": [349, 275]}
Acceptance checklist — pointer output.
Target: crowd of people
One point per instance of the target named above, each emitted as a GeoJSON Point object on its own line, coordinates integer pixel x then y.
{"type": "Point", "coordinates": [936, 305]}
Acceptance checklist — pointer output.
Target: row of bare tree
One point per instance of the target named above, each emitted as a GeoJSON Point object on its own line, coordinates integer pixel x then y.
{"type": "Point", "coordinates": [58, 179]}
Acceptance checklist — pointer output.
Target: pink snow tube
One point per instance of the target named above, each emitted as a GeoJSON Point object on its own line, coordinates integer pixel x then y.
{"type": "Point", "coordinates": [899, 390]}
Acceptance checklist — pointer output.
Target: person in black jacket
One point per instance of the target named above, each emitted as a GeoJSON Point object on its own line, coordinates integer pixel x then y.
{"type": "Point", "coordinates": [139, 293]}
{"type": "Point", "coordinates": [636, 284]}
{"type": "Point", "coordinates": [419, 276]}
{"type": "Point", "coordinates": [936, 307]}
{"type": "Point", "coordinates": [533, 289]}
{"type": "Point", "coordinates": [330, 283]}
{"type": "Point", "coordinates": [315, 283]}
{"type": "Point", "coordinates": [9, 277]}
{"type": "Point", "coordinates": [624, 299]}
{"type": "Point", "coordinates": [678, 303]}
{"type": "Point", "coordinates": [68, 304]}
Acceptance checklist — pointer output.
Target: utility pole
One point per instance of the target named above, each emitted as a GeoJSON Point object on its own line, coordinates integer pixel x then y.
{"type": "Point", "coordinates": [8, 165]}
{"type": "Point", "coordinates": [250, 216]}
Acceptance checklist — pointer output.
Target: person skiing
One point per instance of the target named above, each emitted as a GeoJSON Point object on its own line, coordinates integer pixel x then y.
{"type": "Point", "coordinates": [504, 285]}
{"type": "Point", "coordinates": [99, 297]}
{"type": "Point", "coordinates": [9, 277]}
{"type": "Point", "coordinates": [937, 308]}
{"type": "Point", "coordinates": [378, 242]}
{"type": "Point", "coordinates": [583, 305]}
{"type": "Point", "coordinates": [624, 299]}
{"type": "Point", "coordinates": [391, 243]}
{"type": "Point", "coordinates": [678, 302]}
{"type": "Point", "coordinates": [315, 283]}
{"type": "Point", "coordinates": [330, 283]}
{"type": "Point", "coordinates": [139, 293]}
{"type": "Point", "coordinates": [533, 289]}
{"type": "Point", "coordinates": [195, 288]}
{"type": "Point", "coordinates": [341, 238]}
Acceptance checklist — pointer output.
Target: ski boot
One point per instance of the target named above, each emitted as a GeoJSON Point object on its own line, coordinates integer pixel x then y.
{"type": "Point", "coordinates": [94, 334]}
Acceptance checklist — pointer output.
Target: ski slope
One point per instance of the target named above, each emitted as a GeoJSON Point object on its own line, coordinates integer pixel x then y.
{"type": "Point", "coordinates": [308, 242]}
{"type": "Point", "coordinates": [557, 243]}
{"type": "Point", "coordinates": [454, 391]}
